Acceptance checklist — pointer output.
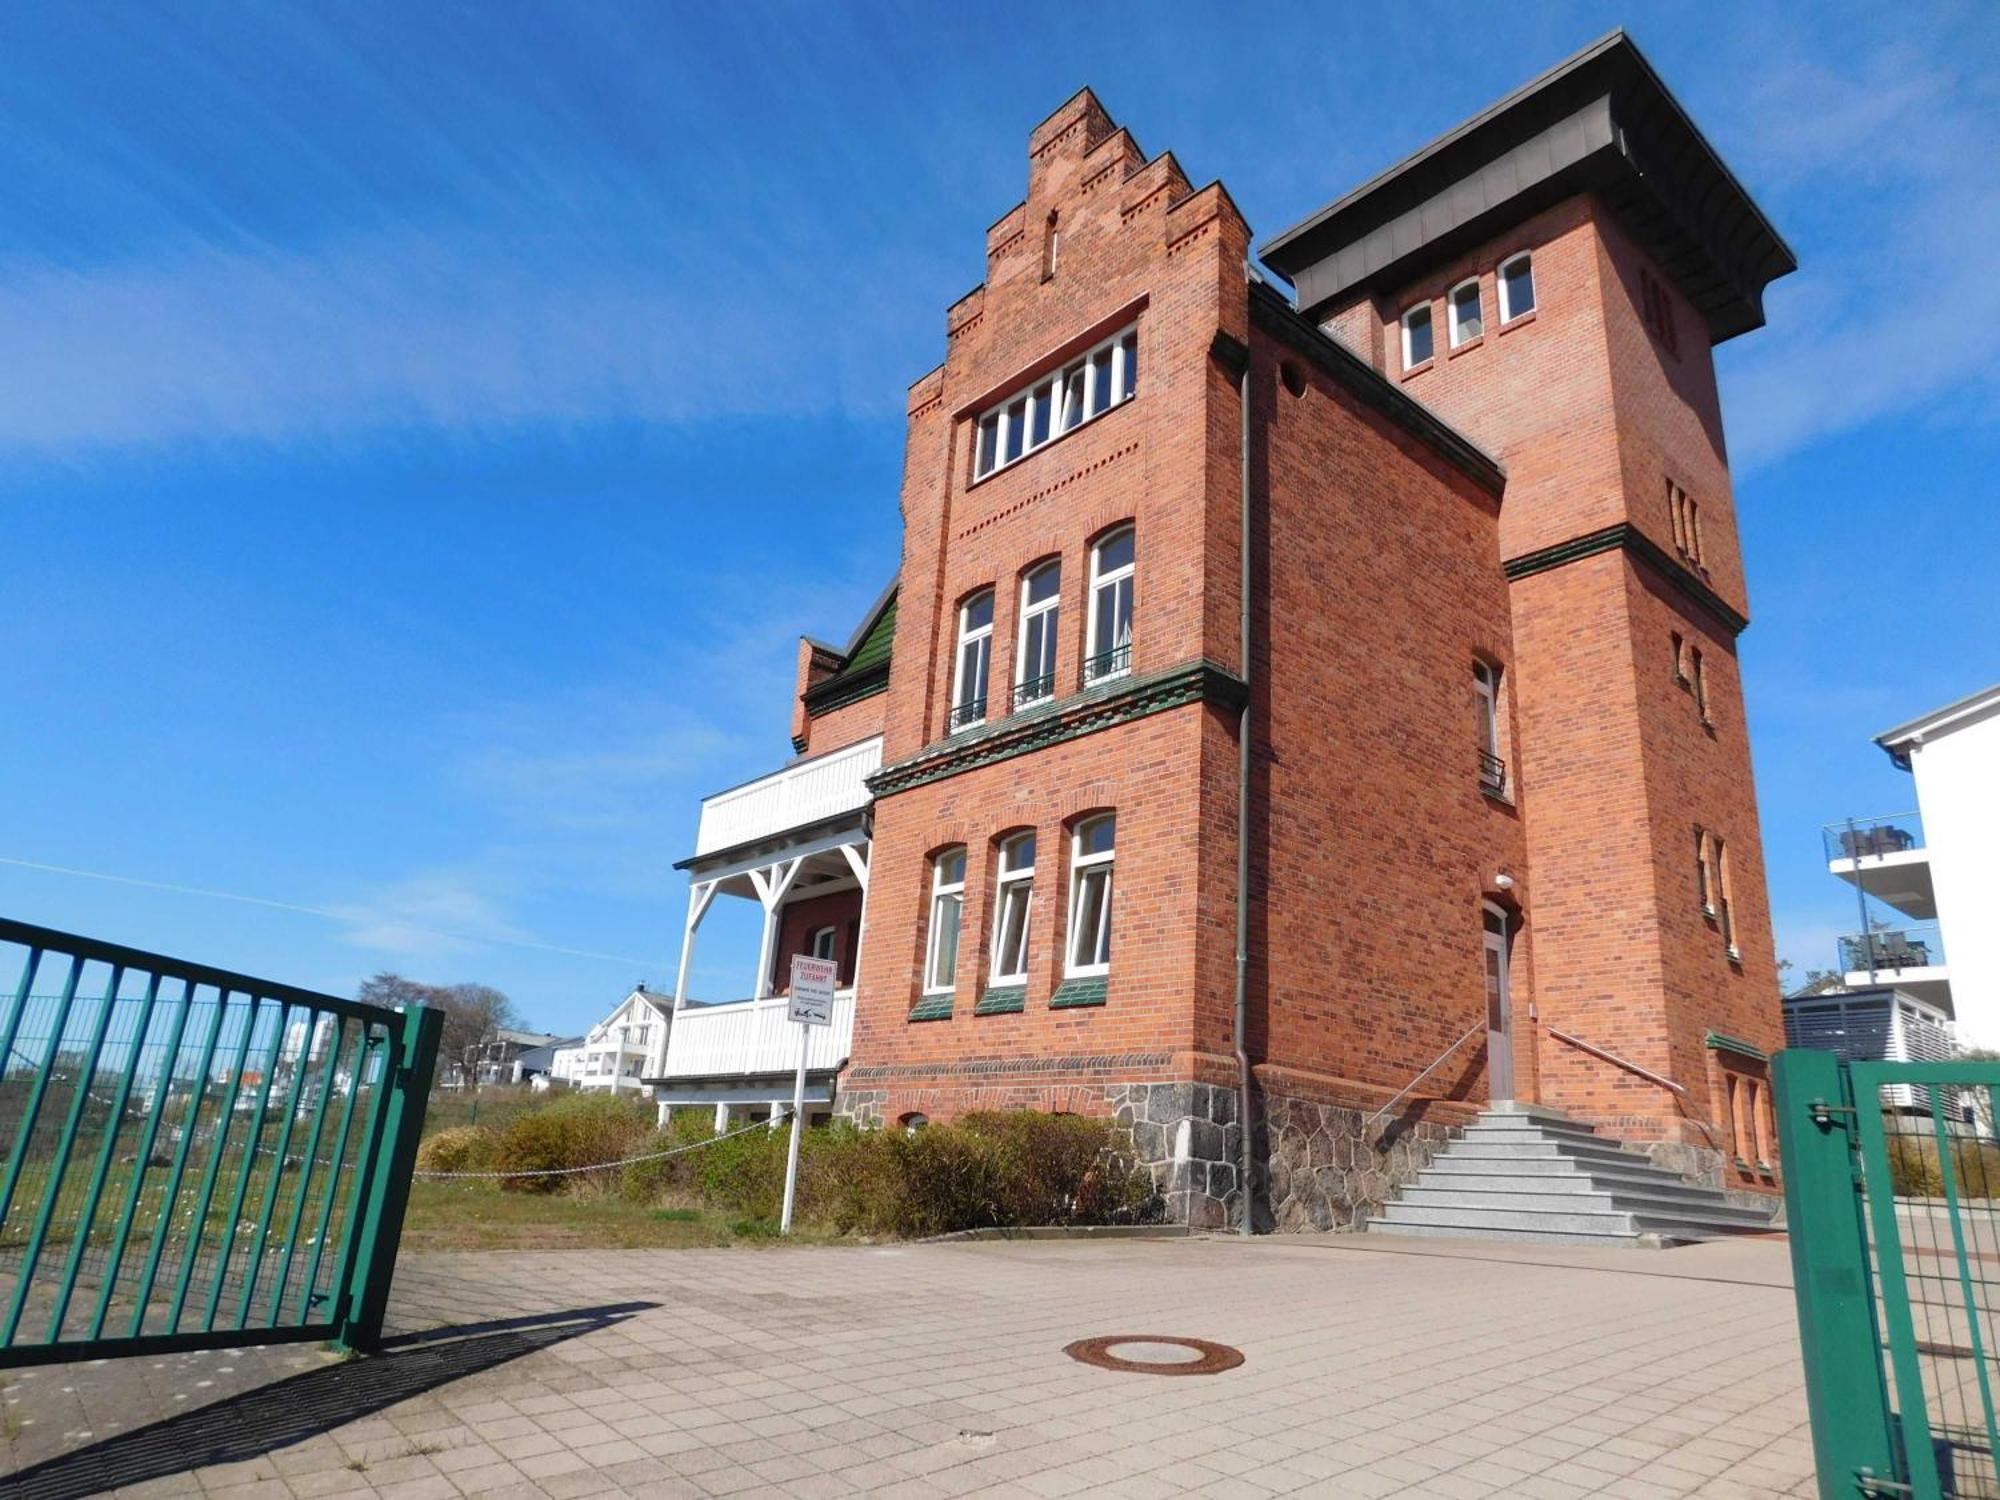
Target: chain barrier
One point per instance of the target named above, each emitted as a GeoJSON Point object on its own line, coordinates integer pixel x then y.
{"type": "Point", "coordinates": [623, 1161]}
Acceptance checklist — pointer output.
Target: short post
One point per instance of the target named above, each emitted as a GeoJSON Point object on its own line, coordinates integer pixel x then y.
{"type": "Point", "coordinates": [1846, 1393]}
{"type": "Point", "coordinates": [810, 1005]}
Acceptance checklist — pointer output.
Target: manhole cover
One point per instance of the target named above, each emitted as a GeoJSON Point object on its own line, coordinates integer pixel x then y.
{"type": "Point", "coordinates": [1155, 1354]}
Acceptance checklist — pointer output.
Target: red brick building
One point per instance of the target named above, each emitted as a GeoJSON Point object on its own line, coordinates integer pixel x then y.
{"type": "Point", "coordinates": [1497, 804]}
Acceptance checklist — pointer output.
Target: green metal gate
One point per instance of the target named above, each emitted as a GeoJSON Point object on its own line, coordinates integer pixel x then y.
{"type": "Point", "coordinates": [1892, 1196]}
{"type": "Point", "coordinates": [195, 1158]}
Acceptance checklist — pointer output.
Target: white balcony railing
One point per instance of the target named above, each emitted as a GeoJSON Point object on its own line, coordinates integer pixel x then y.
{"type": "Point", "coordinates": [823, 787]}
{"type": "Point", "coordinates": [753, 1036]}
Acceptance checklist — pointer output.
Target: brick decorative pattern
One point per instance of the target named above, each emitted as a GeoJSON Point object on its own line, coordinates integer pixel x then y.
{"type": "Point", "coordinates": [1078, 992]}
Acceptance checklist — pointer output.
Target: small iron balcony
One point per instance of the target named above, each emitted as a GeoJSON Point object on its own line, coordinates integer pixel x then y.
{"type": "Point", "coordinates": [1107, 663]}
{"type": "Point", "coordinates": [1035, 689]}
{"type": "Point", "coordinates": [1492, 774]}
{"type": "Point", "coordinates": [965, 715]}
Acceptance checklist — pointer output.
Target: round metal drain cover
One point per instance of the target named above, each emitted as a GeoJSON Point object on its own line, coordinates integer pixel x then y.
{"type": "Point", "coordinates": [1155, 1354]}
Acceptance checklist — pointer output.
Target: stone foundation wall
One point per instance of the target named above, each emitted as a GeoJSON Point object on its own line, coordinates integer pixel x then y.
{"type": "Point", "coordinates": [863, 1106]}
{"type": "Point", "coordinates": [1318, 1168]}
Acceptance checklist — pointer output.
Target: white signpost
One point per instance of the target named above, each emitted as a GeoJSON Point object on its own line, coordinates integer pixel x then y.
{"type": "Point", "coordinates": [811, 1005]}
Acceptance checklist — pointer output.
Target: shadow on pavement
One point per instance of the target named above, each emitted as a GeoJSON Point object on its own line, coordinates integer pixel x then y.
{"type": "Point", "coordinates": [239, 1428]}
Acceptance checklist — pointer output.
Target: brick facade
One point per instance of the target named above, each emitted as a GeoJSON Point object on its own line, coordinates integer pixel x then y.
{"type": "Point", "coordinates": [1390, 554]}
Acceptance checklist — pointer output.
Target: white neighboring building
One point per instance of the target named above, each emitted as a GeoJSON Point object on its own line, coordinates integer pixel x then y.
{"type": "Point", "coordinates": [1939, 873]}
{"type": "Point", "coordinates": [626, 1046]}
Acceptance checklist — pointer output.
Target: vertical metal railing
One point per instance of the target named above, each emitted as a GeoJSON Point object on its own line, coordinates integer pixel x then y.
{"type": "Point", "coordinates": [191, 1157]}
{"type": "Point", "coordinates": [1893, 1204]}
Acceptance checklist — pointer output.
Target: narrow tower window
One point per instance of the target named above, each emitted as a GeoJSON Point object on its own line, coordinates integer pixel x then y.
{"type": "Point", "coordinates": [1013, 908]}
{"type": "Point", "coordinates": [1091, 854]}
{"type": "Point", "coordinates": [1035, 658]}
{"type": "Point", "coordinates": [1051, 245]}
{"type": "Point", "coordinates": [1465, 320]}
{"type": "Point", "coordinates": [1417, 336]}
{"type": "Point", "coordinates": [974, 660]}
{"type": "Point", "coordinates": [1111, 570]}
{"type": "Point", "coordinates": [947, 909]}
{"type": "Point", "coordinates": [1517, 287]}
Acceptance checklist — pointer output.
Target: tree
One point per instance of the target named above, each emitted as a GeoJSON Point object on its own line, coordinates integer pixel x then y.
{"type": "Point", "coordinates": [473, 1013]}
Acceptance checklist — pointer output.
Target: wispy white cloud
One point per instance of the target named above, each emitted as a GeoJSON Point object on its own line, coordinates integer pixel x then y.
{"type": "Point", "coordinates": [1885, 154]}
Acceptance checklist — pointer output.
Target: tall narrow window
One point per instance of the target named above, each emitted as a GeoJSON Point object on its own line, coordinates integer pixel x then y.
{"type": "Point", "coordinates": [1704, 885]}
{"type": "Point", "coordinates": [975, 658]}
{"type": "Point", "coordinates": [1110, 646]}
{"type": "Point", "coordinates": [1728, 912]}
{"type": "Point", "coordinates": [1680, 658]}
{"type": "Point", "coordinates": [1517, 287]}
{"type": "Point", "coordinates": [1051, 245]}
{"type": "Point", "coordinates": [1013, 906]}
{"type": "Point", "coordinates": [1686, 523]}
{"type": "Point", "coordinates": [1091, 851]}
{"type": "Point", "coordinates": [1700, 684]}
{"type": "Point", "coordinates": [1466, 324]}
{"type": "Point", "coordinates": [1417, 336]}
{"type": "Point", "coordinates": [1486, 695]}
{"type": "Point", "coordinates": [821, 943]}
{"type": "Point", "coordinates": [947, 910]}
{"type": "Point", "coordinates": [1035, 660]}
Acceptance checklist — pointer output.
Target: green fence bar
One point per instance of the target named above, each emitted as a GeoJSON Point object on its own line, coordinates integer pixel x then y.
{"type": "Point", "coordinates": [163, 1219]}
{"type": "Point", "coordinates": [406, 1076]}
{"type": "Point", "coordinates": [292, 1097]}
{"type": "Point", "coordinates": [85, 1190]}
{"type": "Point", "coordinates": [94, 1195]}
{"type": "Point", "coordinates": [1948, 1176]}
{"type": "Point", "coordinates": [1846, 1392]}
{"type": "Point", "coordinates": [251, 1146]}
{"type": "Point", "coordinates": [162, 1088]}
{"type": "Point", "coordinates": [328, 1072]}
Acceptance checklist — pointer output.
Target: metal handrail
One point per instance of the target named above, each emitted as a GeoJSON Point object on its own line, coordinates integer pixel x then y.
{"type": "Point", "coordinates": [1436, 1063]}
{"type": "Point", "coordinates": [1624, 1062]}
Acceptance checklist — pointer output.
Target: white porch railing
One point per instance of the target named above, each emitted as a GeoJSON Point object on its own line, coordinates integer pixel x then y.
{"type": "Point", "coordinates": [823, 787]}
{"type": "Point", "coordinates": [753, 1036]}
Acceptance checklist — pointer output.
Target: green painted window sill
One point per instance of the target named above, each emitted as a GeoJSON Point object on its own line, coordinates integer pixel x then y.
{"type": "Point", "coordinates": [932, 1008]}
{"type": "Point", "coordinates": [1004, 1000]}
{"type": "Point", "coordinates": [1074, 992]}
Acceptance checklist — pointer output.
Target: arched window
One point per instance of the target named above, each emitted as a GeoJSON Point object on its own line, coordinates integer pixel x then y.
{"type": "Point", "coordinates": [912, 1122]}
{"type": "Point", "coordinates": [1417, 336]}
{"type": "Point", "coordinates": [1109, 651]}
{"type": "Point", "coordinates": [1013, 906]}
{"type": "Point", "coordinates": [974, 660]}
{"type": "Point", "coordinates": [947, 910]}
{"type": "Point", "coordinates": [1035, 657]}
{"type": "Point", "coordinates": [1466, 322]}
{"type": "Point", "coordinates": [1051, 245]}
{"type": "Point", "coordinates": [1517, 287]}
{"type": "Point", "coordinates": [1092, 848]}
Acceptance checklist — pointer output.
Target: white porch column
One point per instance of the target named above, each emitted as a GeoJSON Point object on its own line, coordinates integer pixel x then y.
{"type": "Point", "coordinates": [700, 896]}
{"type": "Point", "coordinates": [721, 1118]}
{"type": "Point", "coordinates": [773, 883]}
{"type": "Point", "coordinates": [859, 856]}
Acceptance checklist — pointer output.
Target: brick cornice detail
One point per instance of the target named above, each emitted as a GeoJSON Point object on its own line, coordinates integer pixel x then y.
{"type": "Point", "coordinates": [1101, 706]}
{"type": "Point", "coordinates": [980, 1067]}
{"type": "Point", "coordinates": [1624, 536]}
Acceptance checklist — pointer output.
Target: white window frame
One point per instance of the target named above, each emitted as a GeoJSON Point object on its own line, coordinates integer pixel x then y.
{"type": "Point", "coordinates": [1486, 684]}
{"type": "Point", "coordinates": [971, 638]}
{"type": "Point", "coordinates": [1459, 337]}
{"type": "Point", "coordinates": [1010, 882]}
{"type": "Point", "coordinates": [1508, 312]}
{"type": "Point", "coordinates": [1056, 394]}
{"type": "Point", "coordinates": [1080, 865]}
{"type": "Point", "coordinates": [945, 891]}
{"type": "Point", "coordinates": [1051, 608]}
{"type": "Point", "coordinates": [1409, 314]}
{"type": "Point", "coordinates": [814, 944]}
{"type": "Point", "coordinates": [1100, 581]}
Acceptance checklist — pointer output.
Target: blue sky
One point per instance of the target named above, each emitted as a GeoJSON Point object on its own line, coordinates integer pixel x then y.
{"type": "Point", "coordinates": [426, 429]}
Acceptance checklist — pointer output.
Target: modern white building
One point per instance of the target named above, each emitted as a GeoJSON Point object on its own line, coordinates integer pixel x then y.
{"type": "Point", "coordinates": [624, 1048]}
{"type": "Point", "coordinates": [1935, 871]}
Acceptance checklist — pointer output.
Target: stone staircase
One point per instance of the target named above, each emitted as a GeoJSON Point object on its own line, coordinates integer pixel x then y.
{"type": "Point", "coordinates": [1526, 1172]}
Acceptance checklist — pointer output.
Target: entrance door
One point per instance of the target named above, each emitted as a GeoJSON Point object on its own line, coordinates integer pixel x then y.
{"type": "Point", "coordinates": [1499, 1014]}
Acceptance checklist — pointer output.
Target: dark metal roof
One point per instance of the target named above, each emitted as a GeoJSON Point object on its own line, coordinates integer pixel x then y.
{"type": "Point", "coordinates": [1600, 121]}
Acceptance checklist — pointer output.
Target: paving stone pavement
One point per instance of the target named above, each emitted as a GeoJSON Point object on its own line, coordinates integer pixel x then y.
{"type": "Point", "coordinates": [1372, 1368]}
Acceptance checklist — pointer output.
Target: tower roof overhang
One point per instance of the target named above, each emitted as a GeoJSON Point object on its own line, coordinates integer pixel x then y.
{"type": "Point", "coordinates": [1602, 122]}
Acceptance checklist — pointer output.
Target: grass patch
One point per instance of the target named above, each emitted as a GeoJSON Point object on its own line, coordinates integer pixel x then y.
{"type": "Point", "coordinates": [479, 1216]}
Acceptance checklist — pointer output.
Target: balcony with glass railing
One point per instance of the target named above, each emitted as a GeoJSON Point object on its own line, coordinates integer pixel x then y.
{"type": "Point", "coordinates": [1904, 955]}
{"type": "Point", "coordinates": [1885, 858]}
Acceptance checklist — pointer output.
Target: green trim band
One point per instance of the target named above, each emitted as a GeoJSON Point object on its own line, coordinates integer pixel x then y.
{"type": "Point", "coordinates": [1719, 1042]}
{"type": "Point", "coordinates": [844, 688]}
{"type": "Point", "coordinates": [1075, 992]}
{"type": "Point", "coordinates": [931, 1008]}
{"type": "Point", "coordinates": [1008, 1000]}
{"type": "Point", "coordinates": [1103, 705]}
{"type": "Point", "coordinates": [1624, 536]}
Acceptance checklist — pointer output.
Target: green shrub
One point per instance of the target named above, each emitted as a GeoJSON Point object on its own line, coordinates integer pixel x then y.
{"type": "Point", "coordinates": [462, 1148]}
{"type": "Point", "coordinates": [577, 1130]}
{"type": "Point", "coordinates": [1061, 1169]}
{"type": "Point", "coordinates": [669, 1176]}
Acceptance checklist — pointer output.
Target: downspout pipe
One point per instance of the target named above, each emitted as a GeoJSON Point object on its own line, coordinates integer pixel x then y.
{"type": "Point", "coordinates": [1242, 1021]}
